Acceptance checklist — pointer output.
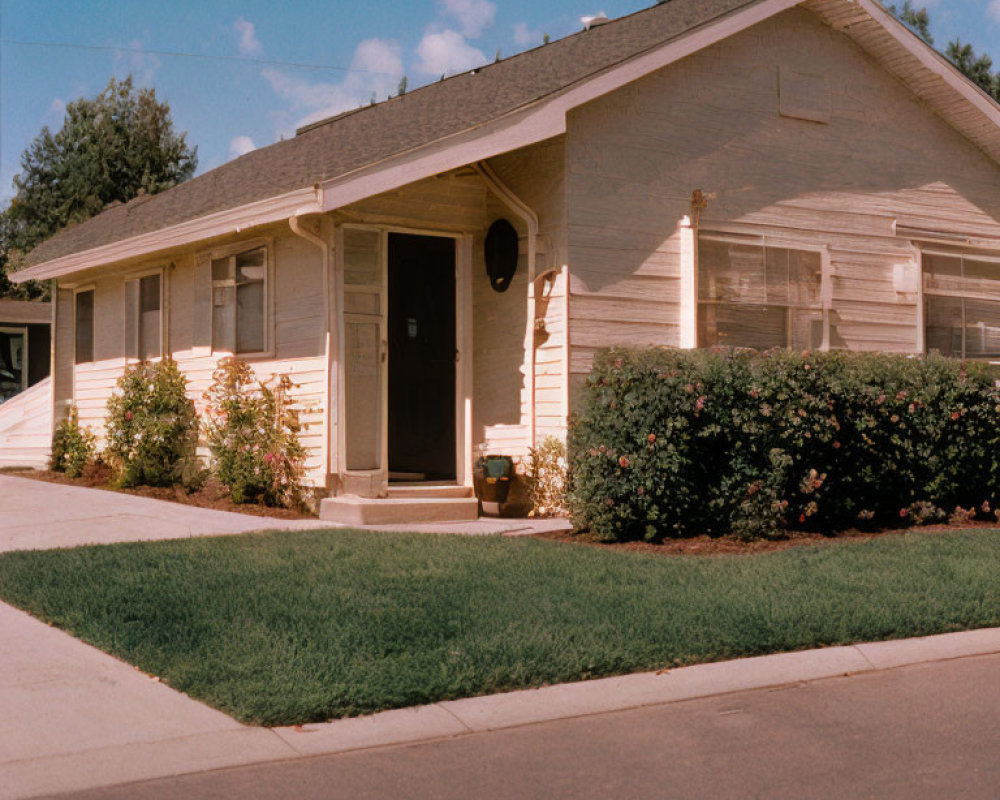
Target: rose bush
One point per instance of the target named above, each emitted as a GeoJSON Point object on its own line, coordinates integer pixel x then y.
{"type": "Point", "coordinates": [676, 443]}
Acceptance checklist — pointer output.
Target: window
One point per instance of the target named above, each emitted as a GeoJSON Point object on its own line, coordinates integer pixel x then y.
{"type": "Point", "coordinates": [750, 295]}
{"type": "Point", "coordinates": [239, 297]}
{"type": "Point", "coordinates": [13, 362]}
{"type": "Point", "coordinates": [143, 317]}
{"type": "Point", "coordinates": [84, 326]}
{"type": "Point", "coordinates": [962, 305]}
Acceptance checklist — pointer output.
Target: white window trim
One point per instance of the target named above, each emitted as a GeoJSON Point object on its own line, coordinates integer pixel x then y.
{"type": "Point", "coordinates": [25, 363]}
{"type": "Point", "coordinates": [739, 235]}
{"type": "Point", "coordinates": [235, 249]}
{"type": "Point", "coordinates": [134, 276]}
{"type": "Point", "coordinates": [958, 252]}
{"type": "Point", "coordinates": [93, 334]}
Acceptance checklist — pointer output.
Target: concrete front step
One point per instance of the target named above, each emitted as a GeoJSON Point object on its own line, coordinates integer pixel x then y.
{"type": "Point", "coordinates": [428, 490]}
{"type": "Point", "coordinates": [350, 510]}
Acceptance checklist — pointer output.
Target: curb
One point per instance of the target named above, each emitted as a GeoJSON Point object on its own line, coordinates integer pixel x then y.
{"type": "Point", "coordinates": [568, 700]}
{"type": "Point", "coordinates": [240, 746]}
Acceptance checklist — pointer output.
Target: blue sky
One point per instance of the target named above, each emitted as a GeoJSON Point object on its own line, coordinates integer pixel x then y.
{"type": "Point", "coordinates": [229, 106]}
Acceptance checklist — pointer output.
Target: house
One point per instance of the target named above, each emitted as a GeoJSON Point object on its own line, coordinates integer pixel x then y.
{"type": "Point", "coordinates": [743, 172]}
{"type": "Point", "coordinates": [25, 402]}
{"type": "Point", "coordinates": [25, 346]}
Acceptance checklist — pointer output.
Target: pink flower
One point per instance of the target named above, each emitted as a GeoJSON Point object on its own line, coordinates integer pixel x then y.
{"type": "Point", "coordinates": [128, 415]}
{"type": "Point", "coordinates": [269, 457]}
{"type": "Point", "coordinates": [836, 445]}
{"type": "Point", "coordinates": [699, 404]}
{"type": "Point", "coordinates": [903, 512]}
{"type": "Point", "coordinates": [652, 438]}
{"type": "Point", "coordinates": [623, 462]}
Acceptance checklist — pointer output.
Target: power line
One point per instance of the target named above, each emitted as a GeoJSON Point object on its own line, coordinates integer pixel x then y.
{"type": "Point", "coordinates": [180, 54]}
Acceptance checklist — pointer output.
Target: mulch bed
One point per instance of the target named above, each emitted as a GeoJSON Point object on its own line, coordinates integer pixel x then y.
{"type": "Point", "coordinates": [212, 495]}
{"type": "Point", "coordinates": [709, 546]}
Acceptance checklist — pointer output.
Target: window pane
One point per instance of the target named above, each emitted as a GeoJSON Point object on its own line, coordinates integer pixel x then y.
{"type": "Point", "coordinates": [982, 329]}
{"type": "Point", "coordinates": [942, 272]}
{"type": "Point", "coordinates": [981, 277]}
{"type": "Point", "coordinates": [362, 257]}
{"type": "Point", "coordinates": [805, 278]}
{"type": "Point", "coordinates": [250, 317]}
{"type": "Point", "coordinates": [224, 319]}
{"type": "Point", "coordinates": [12, 364]}
{"type": "Point", "coordinates": [731, 272]}
{"type": "Point", "coordinates": [222, 269]}
{"type": "Point", "coordinates": [85, 326]}
{"type": "Point", "coordinates": [149, 319]}
{"type": "Point", "coordinates": [250, 266]}
{"type": "Point", "coordinates": [944, 326]}
{"type": "Point", "coordinates": [776, 276]}
{"type": "Point", "coordinates": [363, 394]}
{"type": "Point", "coordinates": [759, 327]}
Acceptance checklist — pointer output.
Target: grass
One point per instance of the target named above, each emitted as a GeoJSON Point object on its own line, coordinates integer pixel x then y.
{"type": "Point", "coordinates": [291, 628]}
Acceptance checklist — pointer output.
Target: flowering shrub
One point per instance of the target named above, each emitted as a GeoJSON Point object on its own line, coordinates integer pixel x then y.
{"type": "Point", "coordinates": [253, 435]}
{"type": "Point", "coordinates": [152, 428]}
{"type": "Point", "coordinates": [73, 446]}
{"type": "Point", "coordinates": [546, 478]}
{"type": "Point", "coordinates": [676, 443]}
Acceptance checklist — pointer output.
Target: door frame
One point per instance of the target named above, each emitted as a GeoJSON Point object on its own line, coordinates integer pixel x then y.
{"type": "Point", "coordinates": [463, 367]}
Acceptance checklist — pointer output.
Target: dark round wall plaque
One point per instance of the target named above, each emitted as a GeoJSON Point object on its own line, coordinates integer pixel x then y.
{"type": "Point", "coordinates": [501, 254]}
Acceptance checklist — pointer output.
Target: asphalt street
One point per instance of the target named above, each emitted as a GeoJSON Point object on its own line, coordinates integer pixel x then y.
{"type": "Point", "coordinates": [926, 731]}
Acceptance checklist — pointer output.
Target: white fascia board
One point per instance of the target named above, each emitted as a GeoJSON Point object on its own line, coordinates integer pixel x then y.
{"type": "Point", "coordinates": [222, 223]}
{"type": "Point", "coordinates": [538, 122]}
{"type": "Point", "coordinates": [932, 60]}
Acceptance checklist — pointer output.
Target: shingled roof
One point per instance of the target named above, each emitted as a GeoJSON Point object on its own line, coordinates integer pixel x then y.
{"type": "Point", "coordinates": [357, 139]}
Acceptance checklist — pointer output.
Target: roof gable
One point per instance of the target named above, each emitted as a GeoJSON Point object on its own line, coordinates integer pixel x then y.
{"type": "Point", "coordinates": [478, 114]}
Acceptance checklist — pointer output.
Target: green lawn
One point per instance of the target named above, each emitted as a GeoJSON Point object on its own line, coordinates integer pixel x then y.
{"type": "Point", "coordinates": [288, 628]}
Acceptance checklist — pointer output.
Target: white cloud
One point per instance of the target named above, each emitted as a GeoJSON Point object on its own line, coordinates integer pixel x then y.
{"type": "Point", "coordinates": [527, 37]}
{"type": "Point", "coordinates": [376, 69]}
{"type": "Point", "coordinates": [447, 53]}
{"type": "Point", "coordinates": [56, 112]}
{"type": "Point", "coordinates": [135, 61]}
{"type": "Point", "coordinates": [994, 10]}
{"type": "Point", "coordinates": [474, 16]}
{"type": "Point", "coordinates": [240, 146]}
{"type": "Point", "coordinates": [249, 44]}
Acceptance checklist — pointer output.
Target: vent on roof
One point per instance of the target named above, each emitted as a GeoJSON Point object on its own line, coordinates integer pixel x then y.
{"type": "Point", "coordinates": [600, 18]}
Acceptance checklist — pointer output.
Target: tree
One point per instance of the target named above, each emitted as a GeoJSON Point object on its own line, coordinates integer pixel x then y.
{"type": "Point", "coordinates": [115, 147]}
{"type": "Point", "coordinates": [977, 67]}
{"type": "Point", "coordinates": [917, 20]}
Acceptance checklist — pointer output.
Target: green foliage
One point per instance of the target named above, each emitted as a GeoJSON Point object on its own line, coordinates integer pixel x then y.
{"type": "Point", "coordinates": [115, 147]}
{"type": "Point", "coordinates": [916, 19]}
{"type": "Point", "coordinates": [277, 629]}
{"type": "Point", "coordinates": [253, 435]}
{"type": "Point", "coordinates": [152, 428]}
{"type": "Point", "coordinates": [978, 67]}
{"type": "Point", "coordinates": [546, 478]}
{"type": "Point", "coordinates": [677, 443]}
{"type": "Point", "coordinates": [73, 446]}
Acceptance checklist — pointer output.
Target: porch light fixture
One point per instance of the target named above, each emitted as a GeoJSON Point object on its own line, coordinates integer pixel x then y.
{"type": "Point", "coordinates": [501, 250]}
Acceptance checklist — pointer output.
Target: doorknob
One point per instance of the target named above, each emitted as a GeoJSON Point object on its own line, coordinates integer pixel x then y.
{"type": "Point", "coordinates": [385, 351]}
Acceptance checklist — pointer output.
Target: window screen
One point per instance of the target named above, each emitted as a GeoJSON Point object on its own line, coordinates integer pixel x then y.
{"type": "Point", "coordinates": [239, 302]}
{"type": "Point", "coordinates": [84, 326]}
{"type": "Point", "coordinates": [759, 297]}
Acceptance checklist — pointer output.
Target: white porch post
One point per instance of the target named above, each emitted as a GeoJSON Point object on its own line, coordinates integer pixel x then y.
{"type": "Point", "coordinates": [689, 284]}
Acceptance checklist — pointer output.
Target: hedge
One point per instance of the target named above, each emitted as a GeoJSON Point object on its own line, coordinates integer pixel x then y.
{"type": "Point", "coordinates": [676, 443]}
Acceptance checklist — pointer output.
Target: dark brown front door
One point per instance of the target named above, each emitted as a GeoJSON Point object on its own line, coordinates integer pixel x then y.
{"type": "Point", "coordinates": [421, 328]}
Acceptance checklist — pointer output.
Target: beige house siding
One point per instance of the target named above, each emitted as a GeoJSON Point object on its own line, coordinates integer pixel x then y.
{"type": "Point", "coordinates": [537, 176]}
{"type": "Point", "coordinates": [713, 122]}
{"type": "Point", "coordinates": [297, 328]}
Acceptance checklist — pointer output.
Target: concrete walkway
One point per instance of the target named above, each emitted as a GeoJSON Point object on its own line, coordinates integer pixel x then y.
{"type": "Point", "coordinates": [41, 516]}
{"type": "Point", "coordinates": [75, 718]}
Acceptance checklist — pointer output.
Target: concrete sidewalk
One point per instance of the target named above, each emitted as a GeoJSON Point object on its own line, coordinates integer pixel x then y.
{"type": "Point", "coordinates": [75, 718]}
{"type": "Point", "coordinates": [40, 515]}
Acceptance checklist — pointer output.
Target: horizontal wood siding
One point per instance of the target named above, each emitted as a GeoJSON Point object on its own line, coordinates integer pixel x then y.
{"type": "Point", "coordinates": [712, 122]}
{"type": "Point", "coordinates": [297, 326]}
